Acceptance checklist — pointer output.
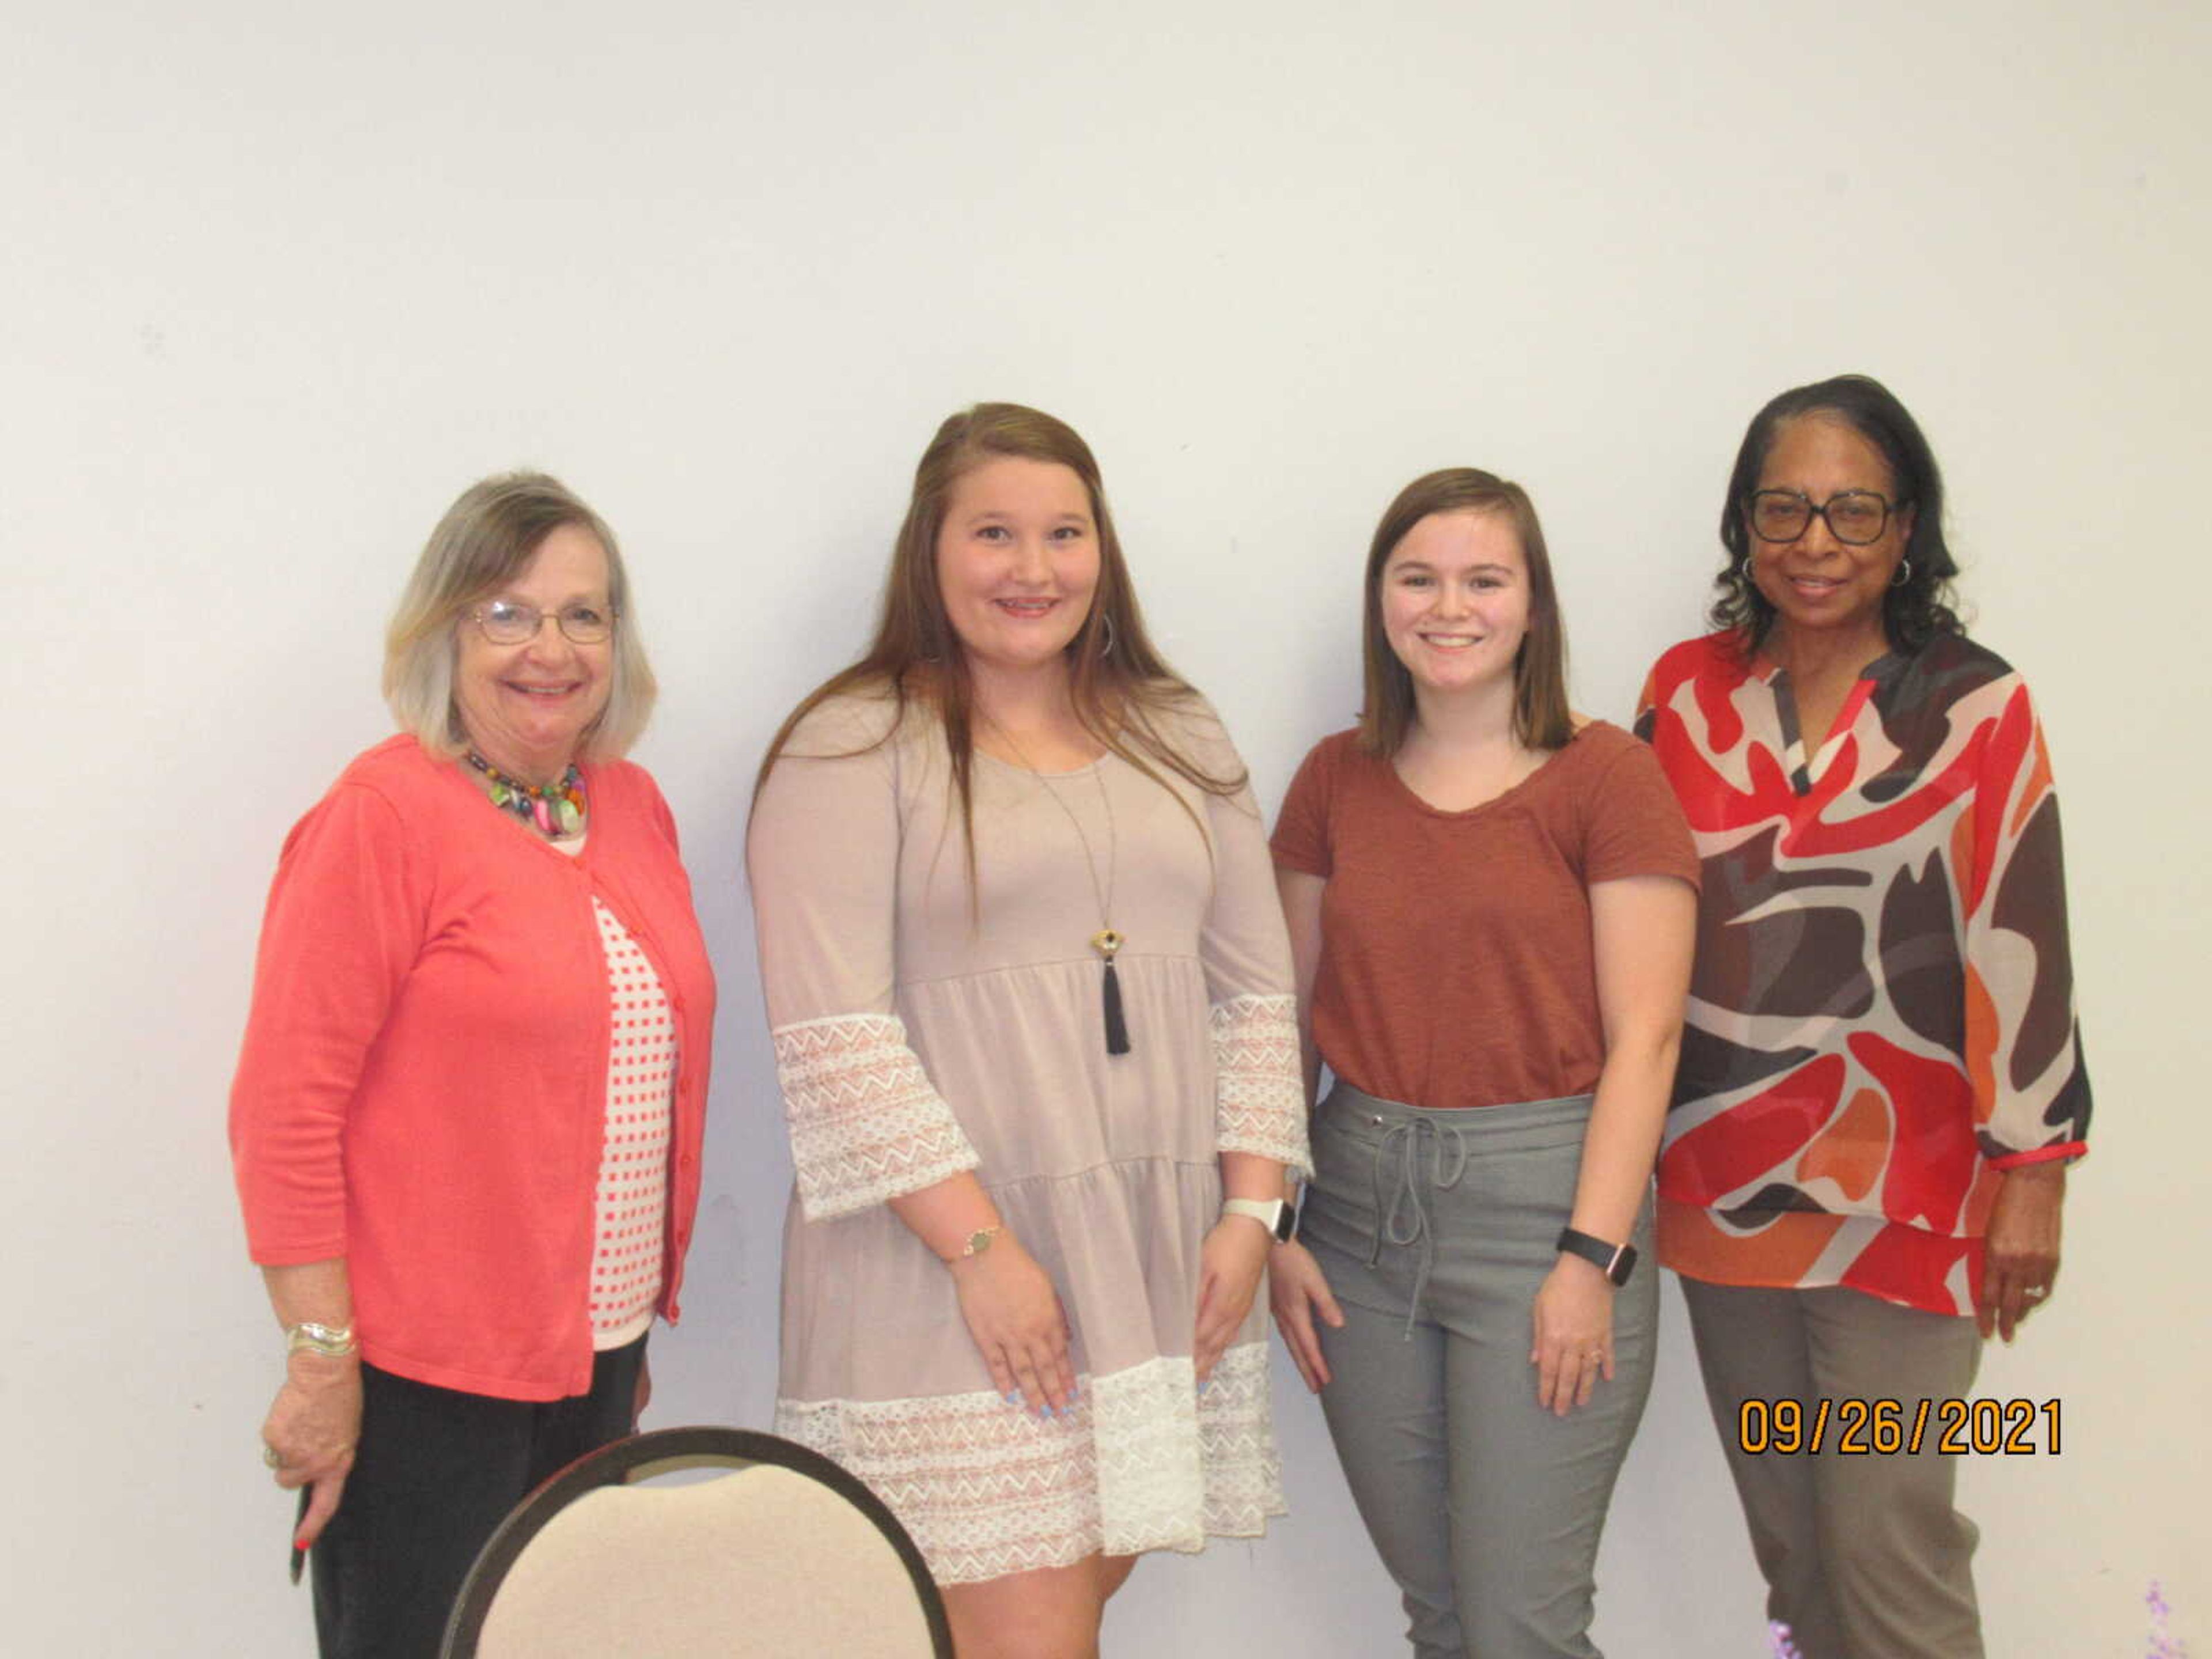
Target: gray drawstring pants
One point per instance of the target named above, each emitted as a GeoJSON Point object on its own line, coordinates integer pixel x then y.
{"type": "Point", "coordinates": [1436, 1229]}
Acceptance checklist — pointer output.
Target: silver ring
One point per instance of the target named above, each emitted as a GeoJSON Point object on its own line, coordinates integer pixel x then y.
{"type": "Point", "coordinates": [2036, 1292]}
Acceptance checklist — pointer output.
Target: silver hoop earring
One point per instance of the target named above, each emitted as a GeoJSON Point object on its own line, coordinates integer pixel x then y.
{"type": "Point", "coordinates": [1904, 573]}
{"type": "Point", "coordinates": [1106, 627]}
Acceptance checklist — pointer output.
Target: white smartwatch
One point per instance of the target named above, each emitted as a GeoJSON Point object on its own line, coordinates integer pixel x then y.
{"type": "Point", "coordinates": [1280, 1218]}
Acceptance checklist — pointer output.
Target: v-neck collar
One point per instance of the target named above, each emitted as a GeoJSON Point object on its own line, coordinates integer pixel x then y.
{"type": "Point", "coordinates": [1806, 768]}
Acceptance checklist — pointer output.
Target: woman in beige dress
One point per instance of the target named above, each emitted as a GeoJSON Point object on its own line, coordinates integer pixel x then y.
{"type": "Point", "coordinates": [1034, 1025]}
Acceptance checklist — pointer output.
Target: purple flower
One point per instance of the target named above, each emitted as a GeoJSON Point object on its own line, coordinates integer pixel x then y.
{"type": "Point", "coordinates": [2162, 1642]}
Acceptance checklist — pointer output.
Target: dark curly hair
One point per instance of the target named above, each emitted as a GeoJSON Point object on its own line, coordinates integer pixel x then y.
{"type": "Point", "coordinates": [1917, 610]}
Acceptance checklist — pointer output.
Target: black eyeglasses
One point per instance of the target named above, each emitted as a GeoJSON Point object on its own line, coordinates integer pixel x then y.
{"type": "Point", "coordinates": [1853, 516]}
{"type": "Point", "coordinates": [510, 622]}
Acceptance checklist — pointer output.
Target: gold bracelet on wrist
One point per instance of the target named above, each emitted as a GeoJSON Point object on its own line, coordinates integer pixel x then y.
{"type": "Point", "coordinates": [330, 1341]}
{"type": "Point", "coordinates": [977, 1242]}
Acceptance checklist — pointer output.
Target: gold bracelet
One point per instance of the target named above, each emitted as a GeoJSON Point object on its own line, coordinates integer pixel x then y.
{"type": "Point", "coordinates": [978, 1241]}
{"type": "Point", "coordinates": [331, 1341]}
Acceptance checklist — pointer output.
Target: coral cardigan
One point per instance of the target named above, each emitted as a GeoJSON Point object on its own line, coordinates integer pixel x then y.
{"type": "Point", "coordinates": [423, 1086]}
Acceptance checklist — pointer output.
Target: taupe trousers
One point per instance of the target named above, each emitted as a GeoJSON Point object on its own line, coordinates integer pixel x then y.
{"type": "Point", "coordinates": [1436, 1229]}
{"type": "Point", "coordinates": [1864, 1555]}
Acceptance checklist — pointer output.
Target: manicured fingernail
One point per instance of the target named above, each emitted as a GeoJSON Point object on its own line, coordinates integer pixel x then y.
{"type": "Point", "coordinates": [1207, 1385]}
{"type": "Point", "coordinates": [1014, 1397]}
{"type": "Point", "coordinates": [301, 1545]}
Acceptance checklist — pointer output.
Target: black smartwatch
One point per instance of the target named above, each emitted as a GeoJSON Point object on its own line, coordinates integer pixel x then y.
{"type": "Point", "coordinates": [1616, 1261]}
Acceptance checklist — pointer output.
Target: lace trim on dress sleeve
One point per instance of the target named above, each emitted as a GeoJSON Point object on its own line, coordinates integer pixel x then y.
{"type": "Point", "coordinates": [1259, 1099]}
{"type": "Point", "coordinates": [867, 1124]}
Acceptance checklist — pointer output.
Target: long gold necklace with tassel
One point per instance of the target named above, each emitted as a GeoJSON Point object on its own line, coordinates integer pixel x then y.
{"type": "Point", "coordinates": [1107, 941]}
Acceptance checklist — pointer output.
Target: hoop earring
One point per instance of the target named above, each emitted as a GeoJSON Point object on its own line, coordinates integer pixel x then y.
{"type": "Point", "coordinates": [1106, 627]}
{"type": "Point", "coordinates": [1904, 573]}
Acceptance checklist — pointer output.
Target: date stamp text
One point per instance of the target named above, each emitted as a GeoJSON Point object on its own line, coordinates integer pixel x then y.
{"type": "Point", "coordinates": [1884, 1428]}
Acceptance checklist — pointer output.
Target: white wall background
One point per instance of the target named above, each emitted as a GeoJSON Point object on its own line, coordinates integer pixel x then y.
{"type": "Point", "coordinates": [275, 282]}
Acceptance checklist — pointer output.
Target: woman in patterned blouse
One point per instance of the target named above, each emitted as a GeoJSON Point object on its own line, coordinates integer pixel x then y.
{"type": "Point", "coordinates": [1881, 1085]}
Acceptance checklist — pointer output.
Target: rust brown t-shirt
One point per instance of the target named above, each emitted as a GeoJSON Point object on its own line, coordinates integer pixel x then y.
{"type": "Point", "coordinates": [1456, 965]}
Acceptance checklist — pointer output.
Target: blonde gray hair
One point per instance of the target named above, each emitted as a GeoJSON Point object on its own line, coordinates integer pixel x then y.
{"type": "Point", "coordinates": [484, 540]}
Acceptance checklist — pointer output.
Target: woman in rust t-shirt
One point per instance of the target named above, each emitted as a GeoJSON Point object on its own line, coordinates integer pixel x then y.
{"type": "Point", "coordinates": [1491, 910]}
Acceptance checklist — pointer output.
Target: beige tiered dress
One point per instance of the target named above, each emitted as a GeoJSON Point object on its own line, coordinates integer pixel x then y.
{"type": "Point", "coordinates": [923, 1027]}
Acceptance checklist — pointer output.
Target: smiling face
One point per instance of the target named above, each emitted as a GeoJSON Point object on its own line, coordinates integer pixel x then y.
{"type": "Point", "coordinates": [1017, 564]}
{"type": "Point", "coordinates": [525, 707]}
{"type": "Point", "coordinates": [1454, 595]}
{"type": "Point", "coordinates": [1817, 582]}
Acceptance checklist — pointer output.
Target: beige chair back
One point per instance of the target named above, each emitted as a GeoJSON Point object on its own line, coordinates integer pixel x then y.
{"type": "Point", "coordinates": [782, 1554]}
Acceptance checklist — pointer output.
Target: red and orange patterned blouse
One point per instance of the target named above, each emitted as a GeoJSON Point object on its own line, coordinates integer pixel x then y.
{"type": "Point", "coordinates": [1882, 1015]}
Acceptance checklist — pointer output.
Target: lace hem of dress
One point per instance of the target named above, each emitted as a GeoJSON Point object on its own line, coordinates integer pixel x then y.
{"type": "Point", "coordinates": [1260, 1100]}
{"type": "Point", "coordinates": [1141, 1461]}
{"type": "Point", "coordinates": [867, 1124]}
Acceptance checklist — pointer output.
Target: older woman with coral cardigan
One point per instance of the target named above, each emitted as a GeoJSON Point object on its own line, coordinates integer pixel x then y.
{"type": "Point", "coordinates": [466, 1118]}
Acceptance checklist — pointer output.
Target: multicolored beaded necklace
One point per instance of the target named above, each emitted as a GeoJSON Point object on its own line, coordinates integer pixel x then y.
{"type": "Point", "coordinates": [555, 810]}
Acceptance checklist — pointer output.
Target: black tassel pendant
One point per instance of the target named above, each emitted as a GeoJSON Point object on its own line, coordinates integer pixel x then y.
{"type": "Point", "coordinates": [1106, 942]}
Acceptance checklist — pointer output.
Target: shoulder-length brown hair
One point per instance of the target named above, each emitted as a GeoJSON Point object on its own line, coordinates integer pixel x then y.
{"type": "Point", "coordinates": [1120, 683]}
{"type": "Point", "coordinates": [1540, 715]}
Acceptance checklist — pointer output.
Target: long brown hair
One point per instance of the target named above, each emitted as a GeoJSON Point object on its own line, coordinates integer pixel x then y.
{"type": "Point", "coordinates": [1120, 685]}
{"type": "Point", "coordinates": [1541, 719]}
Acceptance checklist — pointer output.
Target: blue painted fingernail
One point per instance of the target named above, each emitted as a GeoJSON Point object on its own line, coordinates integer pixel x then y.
{"type": "Point", "coordinates": [1014, 1397]}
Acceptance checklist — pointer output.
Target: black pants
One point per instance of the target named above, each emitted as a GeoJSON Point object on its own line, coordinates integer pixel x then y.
{"type": "Point", "coordinates": [438, 1470]}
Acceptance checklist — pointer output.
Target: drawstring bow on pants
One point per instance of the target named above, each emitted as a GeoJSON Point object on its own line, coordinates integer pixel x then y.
{"type": "Point", "coordinates": [1403, 1220]}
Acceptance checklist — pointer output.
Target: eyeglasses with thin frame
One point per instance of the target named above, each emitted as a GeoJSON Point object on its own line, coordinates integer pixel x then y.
{"type": "Point", "coordinates": [1855, 517]}
{"type": "Point", "coordinates": [512, 621]}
